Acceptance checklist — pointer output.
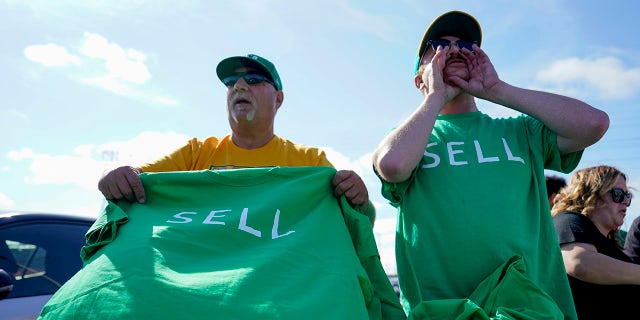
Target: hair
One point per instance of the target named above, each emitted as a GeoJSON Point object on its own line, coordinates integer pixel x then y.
{"type": "Point", "coordinates": [585, 188]}
{"type": "Point", "coordinates": [420, 70]}
{"type": "Point", "coordinates": [554, 184]}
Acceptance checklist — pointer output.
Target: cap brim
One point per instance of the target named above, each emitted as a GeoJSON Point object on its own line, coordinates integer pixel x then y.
{"type": "Point", "coordinates": [228, 67]}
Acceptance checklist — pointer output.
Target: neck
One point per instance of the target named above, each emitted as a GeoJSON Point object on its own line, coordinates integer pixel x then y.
{"type": "Point", "coordinates": [251, 141]}
{"type": "Point", "coordinates": [460, 104]}
{"type": "Point", "coordinates": [603, 230]}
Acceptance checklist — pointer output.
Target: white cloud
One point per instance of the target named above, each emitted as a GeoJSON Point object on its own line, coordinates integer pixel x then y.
{"type": "Point", "coordinates": [497, 111]}
{"type": "Point", "coordinates": [385, 234]}
{"type": "Point", "coordinates": [126, 70]}
{"type": "Point", "coordinates": [86, 164]}
{"type": "Point", "coordinates": [121, 64]}
{"type": "Point", "coordinates": [342, 162]}
{"type": "Point", "coordinates": [51, 55]}
{"type": "Point", "coordinates": [5, 201]}
{"type": "Point", "coordinates": [63, 169]}
{"type": "Point", "coordinates": [605, 77]}
{"type": "Point", "coordinates": [145, 147]}
{"type": "Point", "coordinates": [122, 70]}
{"type": "Point", "coordinates": [24, 153]}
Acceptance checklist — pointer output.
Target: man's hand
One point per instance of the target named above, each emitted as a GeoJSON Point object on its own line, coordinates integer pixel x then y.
{"type": "Point", "coordinates": [433, 76]}
{"type": "Point", "coordinates": [122, 183]}
{"type": "Point", "coordinates": [482, 74]}
{"type": "Point", "coordinates": [351, 185]}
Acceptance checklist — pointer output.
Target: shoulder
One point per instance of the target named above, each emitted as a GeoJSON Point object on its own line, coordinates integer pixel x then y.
{"type": "Point", "coordinates": [305, 154]}
{"type": "Point", "coordinates": [572, 221]}
{"type": "Point", "coordinates": [570, 218]}
{"type": "Point", "coordinates": [209, 142]}
{"type": "Point", "coordinates": [288, 144]}
{"type": "Point", "coordinates": [572, 226]}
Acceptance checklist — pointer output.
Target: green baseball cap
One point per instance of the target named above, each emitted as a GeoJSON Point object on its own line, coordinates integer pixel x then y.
{"type": "Point", "coordinates": [453, 23]}
{"type": "Point", "coordinates": [228, 66]}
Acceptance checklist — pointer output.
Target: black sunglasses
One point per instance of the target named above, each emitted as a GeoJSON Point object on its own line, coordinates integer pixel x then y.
{"type": "Point", "coordinates": [249, 78]}
{"type": "Point", "coordinates": [435, 43]}
{"type": "Point", "coordinates": [446, 43]}
{"type": "Point", "coordinates": [618, 195]}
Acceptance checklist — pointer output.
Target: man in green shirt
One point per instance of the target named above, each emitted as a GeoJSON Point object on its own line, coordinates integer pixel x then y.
{"type": "Point", "coordinates": [470, 189]}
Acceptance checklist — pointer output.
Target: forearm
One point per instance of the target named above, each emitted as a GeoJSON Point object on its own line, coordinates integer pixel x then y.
{"type": "Point", "coordinates": [577, 124]}
{"type": "Point", "coordinates": [594, 267]}
{"type": "Point", "coordinates": [401, 150]}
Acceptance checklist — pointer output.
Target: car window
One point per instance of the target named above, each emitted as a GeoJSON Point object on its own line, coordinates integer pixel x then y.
{"type": "Point", "coordinates": [41, 257]}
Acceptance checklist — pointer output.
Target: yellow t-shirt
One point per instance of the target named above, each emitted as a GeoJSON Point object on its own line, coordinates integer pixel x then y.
{"type": "Point", "coordinates": [214, 153]}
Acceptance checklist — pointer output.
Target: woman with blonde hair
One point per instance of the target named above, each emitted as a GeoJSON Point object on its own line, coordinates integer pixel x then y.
{"type": "Point", "coordinates": [587, 214]}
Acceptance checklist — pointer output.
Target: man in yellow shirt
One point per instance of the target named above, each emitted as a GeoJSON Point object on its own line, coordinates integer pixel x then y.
{"type": "Point", "coordinates": [254, 95]}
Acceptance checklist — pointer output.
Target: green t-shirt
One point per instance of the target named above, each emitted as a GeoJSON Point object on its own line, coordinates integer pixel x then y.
{"type": "Point", "coordinates": [263, 243]}
{"type": "Point", "coordinates": [476, 199]}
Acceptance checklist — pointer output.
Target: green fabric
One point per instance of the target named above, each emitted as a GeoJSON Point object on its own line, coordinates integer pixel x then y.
{"type": "Point", "coordinates": [266, 243]}
{"type": "Point", "coordinates": [365, 245]}
{"type": "Point", "coordinates": [476, 199]}
{"type": "Point", "coordinates": [505, 294]}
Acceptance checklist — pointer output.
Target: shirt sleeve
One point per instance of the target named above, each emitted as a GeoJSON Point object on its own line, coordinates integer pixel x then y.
{"type": "Point", "coordinates": [573, 227]}
{"type": "Point", "coordinates": [543, 138]}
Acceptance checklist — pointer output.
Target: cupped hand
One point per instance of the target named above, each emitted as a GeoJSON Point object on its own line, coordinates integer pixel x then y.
{"type": "Point", "coordinates": [482, 74]}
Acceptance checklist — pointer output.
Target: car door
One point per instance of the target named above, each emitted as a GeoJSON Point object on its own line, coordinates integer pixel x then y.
{"type": "Point", "coordinates": [39, 255]}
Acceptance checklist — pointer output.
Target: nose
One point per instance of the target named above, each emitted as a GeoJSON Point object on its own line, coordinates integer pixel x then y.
{"type": "Point", "coordinates": [240, 84]}
{"type": "Point", "coordinates": [454, 44]}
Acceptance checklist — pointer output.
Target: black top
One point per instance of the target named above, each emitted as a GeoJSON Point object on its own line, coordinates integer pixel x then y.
{"type": "Point", "coordinates": [595, 301]}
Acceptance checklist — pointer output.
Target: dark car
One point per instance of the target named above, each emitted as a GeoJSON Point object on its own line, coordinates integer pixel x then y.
{"type": "Point", "coordinates": [38, 253]}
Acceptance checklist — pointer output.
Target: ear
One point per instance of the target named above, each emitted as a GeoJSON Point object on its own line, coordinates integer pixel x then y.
{"type": "Point", "coordinates": [417, 81]}
{"type": "Point", "coordinates": [600, 202]}
{"type": "Point", "coordinates": [279, 99]}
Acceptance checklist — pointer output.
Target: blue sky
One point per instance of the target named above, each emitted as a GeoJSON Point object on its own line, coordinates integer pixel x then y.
{"type": "Point", "coordinates": [90, 85]}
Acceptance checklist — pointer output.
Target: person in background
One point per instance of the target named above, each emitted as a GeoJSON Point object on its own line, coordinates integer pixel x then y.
{"type": "Point", "coordinates": [632, 241]}
{"type": "Point", "coordinates": [469, 188]}
{"type": "Point", "coordinates": [254, 96]}
{"type": "Point", "coordinates": [587, 214]}
{"type": "Point", "coordinates": [554, 184]}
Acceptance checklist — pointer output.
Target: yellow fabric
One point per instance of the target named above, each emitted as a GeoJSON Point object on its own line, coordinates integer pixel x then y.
{"type": "Point", "coordinates": [214, 153]}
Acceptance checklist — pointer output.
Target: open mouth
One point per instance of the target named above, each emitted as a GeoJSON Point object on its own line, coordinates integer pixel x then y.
{"type": "Point", "coordinates": [241, 100]}
{"type": "Point", "coordinates": [456, 62]}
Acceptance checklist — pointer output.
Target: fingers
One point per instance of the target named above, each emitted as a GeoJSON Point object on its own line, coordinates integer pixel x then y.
{"type": "Point", "coordinates": [440, 58]}
{"type": "Point", "coordinates": [478, 52]}
{"type": "Point", "coordinates": [134, 184]}
{"type": "Point", "coordinates": [122, 183]}
{"type": "Point", "coordinates": [349, 184]}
